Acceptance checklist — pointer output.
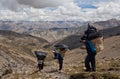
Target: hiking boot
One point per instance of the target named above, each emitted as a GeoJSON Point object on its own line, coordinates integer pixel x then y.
{"type": "Point", "coordinates": [87, 70]}
{"type": "Point", "coordinates": [93, 70]}
{"type": "Point", "coordinates": [60, 71]}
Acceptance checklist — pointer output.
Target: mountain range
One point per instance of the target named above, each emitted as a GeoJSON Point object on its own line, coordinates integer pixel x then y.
{"type": "Point", "coordinates": [54, 34]}
{"type": "Point", "coordinates": [55, 30]}
{"type": "Point", "coordinates": [23, 26]}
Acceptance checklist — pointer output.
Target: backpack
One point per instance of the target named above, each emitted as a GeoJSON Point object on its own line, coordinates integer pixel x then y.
{"type": "Point", "coordinates": [92, 33]}
{"type": "Point", "coordinates": [96, 38]}
{"type": "Point", "coordinates": [98, 43]}
{"type": "Point", "coordinates": [40, 55]}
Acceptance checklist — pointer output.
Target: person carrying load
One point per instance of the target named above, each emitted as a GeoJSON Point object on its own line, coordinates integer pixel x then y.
{"type": "Point", "coordinates": [93, 41]}
{"type": "Point", "coordinates": [59, 53]}
{"type": "Point", "coordinates": [40, 58]}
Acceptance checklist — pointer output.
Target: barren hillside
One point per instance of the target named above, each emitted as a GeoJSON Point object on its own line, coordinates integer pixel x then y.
{"type": "Point", "coordinates": [16, 53]}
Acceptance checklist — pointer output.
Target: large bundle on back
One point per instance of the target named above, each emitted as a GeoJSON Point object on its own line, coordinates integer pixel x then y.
{"type": "Point", "coordinates": [98, 42]}
{"type": "Point", "coordinates": [95, 37]}
{"type": "Point", "coordinates": [61, 48]}
{"type": "Point", "coordinates": [40, 55]}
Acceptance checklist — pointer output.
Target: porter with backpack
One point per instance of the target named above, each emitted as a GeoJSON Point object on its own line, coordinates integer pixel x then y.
{"type": "Point", "coordinates": [94, 43]}
{"type": "Point", "coordinates": [59, 53]}
{"type": "Point", "coordinates": [40, 57]}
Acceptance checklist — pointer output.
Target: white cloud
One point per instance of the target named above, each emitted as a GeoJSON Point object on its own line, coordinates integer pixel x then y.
{"type": "Point", "coordinates": [9, 4]}
{"type": "Point", "coordinates": [16, 4]}
{"type": "Point", "coordinates": [108, 10]}
{"type": "Point", "coordinates": [52, 10]}
{"type": "Point", "coordinates": [43, 3]}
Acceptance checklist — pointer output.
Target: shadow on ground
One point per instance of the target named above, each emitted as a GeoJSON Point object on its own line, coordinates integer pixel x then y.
{"type": "Point", "coordinates": [94, 75]}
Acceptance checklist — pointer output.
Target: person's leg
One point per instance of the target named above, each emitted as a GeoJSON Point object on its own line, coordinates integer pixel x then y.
{"type": "Point", "coordinates": [87, 63]}
{"type": "Point", "coordinates": [93, 63]}
{"type": "Point", "coordinates": [40, 64]}
{"type": "Point", "coordinates": [60, 64]}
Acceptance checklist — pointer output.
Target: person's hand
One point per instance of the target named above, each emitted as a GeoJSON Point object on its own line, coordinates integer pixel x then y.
{"type": "Point", "coordinates": [82, 47]}
{"type": "Point", "coordinates": [83, 41]}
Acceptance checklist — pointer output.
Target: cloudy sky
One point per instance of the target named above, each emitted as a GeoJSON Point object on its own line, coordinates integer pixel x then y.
{"type": "Point", "coordinates": [59, 10]}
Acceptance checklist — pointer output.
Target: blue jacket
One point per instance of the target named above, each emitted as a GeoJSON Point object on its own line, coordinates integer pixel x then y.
{"type": "Point", "coordinates": [90, 47]}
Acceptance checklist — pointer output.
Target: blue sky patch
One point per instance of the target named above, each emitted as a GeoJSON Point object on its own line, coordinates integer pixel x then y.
{"type": "Point", "coordinates": [87, 6]}
{"type": "Point", "coordinates": [51, 8]}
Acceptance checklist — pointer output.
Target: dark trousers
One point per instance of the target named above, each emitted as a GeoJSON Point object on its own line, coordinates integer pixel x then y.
{"type": "Point", "coordinates": [90, 59]}
{"type": "Point", "coordinates": [60, 64]}
{"type": "Point", "coordinates": [40, 66]}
